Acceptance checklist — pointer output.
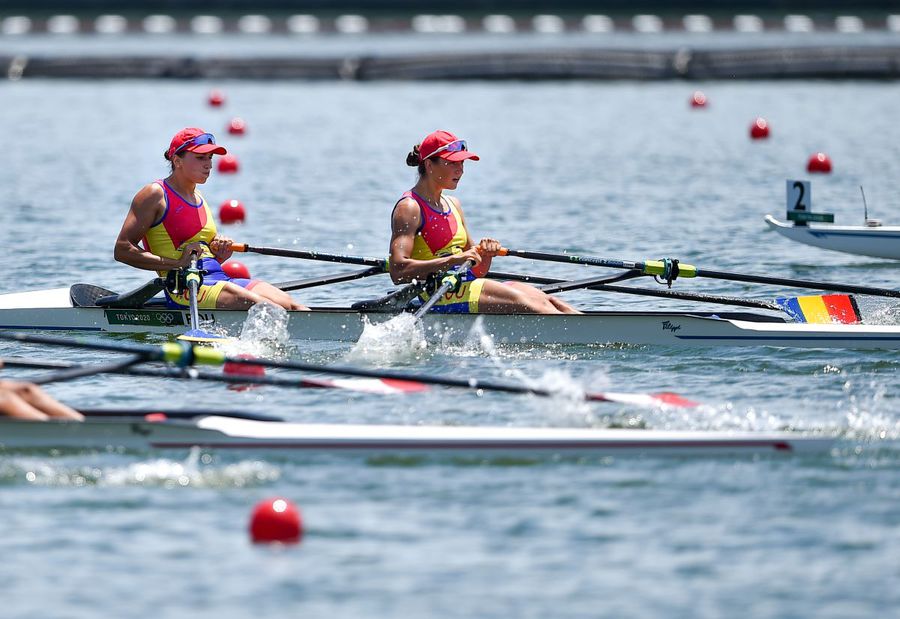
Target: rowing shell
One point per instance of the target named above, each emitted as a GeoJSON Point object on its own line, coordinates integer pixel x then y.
{"type": "Point", "coordinates": [230, 432]}
{"type": "Point", "coordinates": [54, 310]}
{"type": "Point", "coordinates": [875, 241]}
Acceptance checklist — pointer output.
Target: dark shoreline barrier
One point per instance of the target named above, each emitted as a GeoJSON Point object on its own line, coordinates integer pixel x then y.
{"type": "Point", "coordinates": [824, 62]}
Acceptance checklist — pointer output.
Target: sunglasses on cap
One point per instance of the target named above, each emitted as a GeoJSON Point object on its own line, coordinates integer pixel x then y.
{"type": "Point", "coordinates": [452, 147]}
{"type": "Point", "coordinates": [199, 140]}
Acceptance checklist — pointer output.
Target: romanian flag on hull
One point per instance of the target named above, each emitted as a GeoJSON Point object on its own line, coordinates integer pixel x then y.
{"type": "Point", "coordinates": [840, 308]}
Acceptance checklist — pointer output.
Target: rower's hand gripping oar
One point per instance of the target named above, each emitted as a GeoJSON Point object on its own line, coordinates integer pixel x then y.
{"type": "Point", "coordinates": [183, 354]}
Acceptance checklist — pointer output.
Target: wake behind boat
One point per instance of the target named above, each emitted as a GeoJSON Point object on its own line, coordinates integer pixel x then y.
{"type": "Point", "coordinates": [84, 307]}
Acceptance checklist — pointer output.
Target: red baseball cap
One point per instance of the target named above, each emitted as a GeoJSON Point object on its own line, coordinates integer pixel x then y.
{"type": "Point", "coordinates": [446, 146]}
{"type": "Point", "coordinates": [194, 140]}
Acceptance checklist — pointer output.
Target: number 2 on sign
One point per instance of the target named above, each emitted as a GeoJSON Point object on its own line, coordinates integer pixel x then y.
{"type": "Point", "coordinates": [799, 196]}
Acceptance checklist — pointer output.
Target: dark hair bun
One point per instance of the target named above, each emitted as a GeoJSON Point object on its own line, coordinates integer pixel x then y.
{"type": "Point", "coordinates": [166, 155]}
{"type": "Point", "coordinates": [412, 158]}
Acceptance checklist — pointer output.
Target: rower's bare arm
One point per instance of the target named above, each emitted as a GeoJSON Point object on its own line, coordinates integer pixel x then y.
{"type": "Point", "coordinates": [404, 227]}
{"type": "Point", "coordinates": [147, 207]}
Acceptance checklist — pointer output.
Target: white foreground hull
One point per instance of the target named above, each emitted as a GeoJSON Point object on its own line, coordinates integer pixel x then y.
{"type": "Point", "coordinates": [218, 432]}
{"type": "Point", "coordinates": [877, 242]}
{"type": "Point", "coordinates": [52, 310]}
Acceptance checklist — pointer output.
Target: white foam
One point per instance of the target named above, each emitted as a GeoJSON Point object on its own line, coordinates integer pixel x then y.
{"type": "Point", "coordinates": [197, 470]}
{"type": "Point", "coordinates": [398, 340]}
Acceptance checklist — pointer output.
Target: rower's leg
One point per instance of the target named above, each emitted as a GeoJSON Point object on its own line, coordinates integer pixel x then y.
{"type": "Point", "coordinates": [498, 298]}
{"type": "Point", "coordinates": [562, 306]}
{"type": "Point", "coordinates": [530, 291]}
{"type": "Point", "coordinates": [277, 296]}
{"type": "Point", "coordinates": [233, 296]}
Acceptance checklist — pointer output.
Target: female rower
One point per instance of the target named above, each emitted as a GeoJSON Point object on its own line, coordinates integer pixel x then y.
{"type": "Point", "coordinates": [429, 236]}
{"type": "Point", "coordinates": [173, 221]}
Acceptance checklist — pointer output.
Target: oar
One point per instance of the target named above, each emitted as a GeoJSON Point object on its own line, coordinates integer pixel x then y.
{"type": "Point", "coordinates": [670, 269]}
{"type": "Point", "coordinates": [448, 282]}
{"type": "Point", "coordinates": [184, 354]}
{"type": "Point", "coordinates": [337, 278]}
{"type": "Point", "coordinates": [73, 371]}
{"type": "Point", "coordinates": [193, 279]}
{"type": "Point", "coordinates": [311, 255]}
{"type": "Point", "coordinates": [69, 371]}
{"type": "Point", "coordinates": [548, 285]}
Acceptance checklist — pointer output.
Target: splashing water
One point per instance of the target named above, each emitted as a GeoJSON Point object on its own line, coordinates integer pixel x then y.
{"type": "Point", "coordinates": [879, 312]}
{"type": "Point", "coordinates": [266, 321]}
{"type": "Point", "coordinates": [264, 333]}
{"type": "Point", "coordinates": [398, 340]}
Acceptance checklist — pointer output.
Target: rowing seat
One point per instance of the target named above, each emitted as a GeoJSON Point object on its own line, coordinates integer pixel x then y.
{"type": "Point", "coordinates": [88, 295]}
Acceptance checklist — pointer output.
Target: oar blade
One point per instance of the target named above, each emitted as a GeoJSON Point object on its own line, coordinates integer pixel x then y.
{"type": "Point", "coordinates": [648, 400]}
{"type": "Point", "coordinates": [822, 309]}
{"type": "Point", "coordinates": [383, 386]}
{"type": "Point", "coordinates": [198, 336]}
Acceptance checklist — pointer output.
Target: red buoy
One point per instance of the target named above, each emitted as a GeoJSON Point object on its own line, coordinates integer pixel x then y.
{"type": "Point", "coordinates": [237, 126]}
{"type": "Point", "coordinates": [231, 212]}
{"type": "Point", "coordinates": [276, 520]}
{"type": "Point", "coordinates": [216, 98]}
{"type": "Point", "coordinates": [698, 99]}
{"type": "Point", "coordinates": [820, 162]}
{"type": "Point", "coordinates": [759, 130]}
{"type": "Point", "coordinates": [236, 269]}
{"type": "Point", "coordinates": [228, 164]}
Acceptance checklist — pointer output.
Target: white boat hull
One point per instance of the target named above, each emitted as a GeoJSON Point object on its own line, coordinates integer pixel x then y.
{"type": "Point", "coordinates": [220, 432]}
{"type": "Point", "coordinates": [877, 242]}
{"type": "Point", "coordinates": [52, 310]}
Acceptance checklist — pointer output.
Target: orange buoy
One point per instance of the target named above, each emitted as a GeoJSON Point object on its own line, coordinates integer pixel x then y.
{"type": "Point", "coordinates": [819, 162]}
{"type": "Point", "coordinates": [698, 99]}
{"type": "Point", "coordinates": [237, 126]}
{"type": "Point", "coordinates": [231, 212]}
{"type": "Point", "coordinates": [216, 98]}
{"type": "Point", "coordinates": [276, 520]}
{"type": "Point", "coordinates": [228, 164]}
{"type": "Point", "coordinates": [236, 269]}
{"type": "Point", "coordinates": [759, 130]}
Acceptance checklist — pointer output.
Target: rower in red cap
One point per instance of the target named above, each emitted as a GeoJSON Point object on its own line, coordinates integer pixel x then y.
{"type": "Point", "coordinates": [169, 219]}
{"type": "Point", "coordinates": [429, 236]}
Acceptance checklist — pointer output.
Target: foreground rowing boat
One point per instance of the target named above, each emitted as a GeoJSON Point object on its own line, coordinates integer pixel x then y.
{"type": "Point", "coordinates": [130, 430]}
{"type": "Point", "coordinates": [874, 241]}
{"type": "Point", "coordinates": [54, 309]}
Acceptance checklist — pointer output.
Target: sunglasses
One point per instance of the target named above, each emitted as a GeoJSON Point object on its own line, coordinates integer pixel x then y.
{"type": "Point", "coordinates": [199, 140]}
{"type": "Point", "coordinates": [453, 147]}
